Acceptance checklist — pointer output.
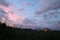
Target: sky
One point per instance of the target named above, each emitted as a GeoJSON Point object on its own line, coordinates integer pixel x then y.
{"type": "Point", "coordinates": [26, 7]}
{"type": "Point", "coordinates": [34, 14]}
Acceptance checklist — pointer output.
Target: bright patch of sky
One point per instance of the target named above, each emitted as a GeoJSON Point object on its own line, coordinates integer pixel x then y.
{"type": "Point", "coordinates": [26, 8]}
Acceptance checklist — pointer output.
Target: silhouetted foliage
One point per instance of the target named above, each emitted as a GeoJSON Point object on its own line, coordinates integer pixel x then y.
{"type": "Point", "coordinates": [9, 33]}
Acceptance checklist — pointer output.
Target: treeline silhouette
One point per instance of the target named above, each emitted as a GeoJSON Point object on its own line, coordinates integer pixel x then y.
{"type": "Point", "coordinates": [9, 33]}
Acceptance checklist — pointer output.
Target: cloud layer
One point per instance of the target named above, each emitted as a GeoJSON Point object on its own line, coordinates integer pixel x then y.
{"type": "Point", "coordinates": [48, 15]}
{"type": "Point", "coordinates": [48, 5]}
{"type": "Point", "coordinates": [8, 12]}
{"type": "Point", "coordinates": [4, 3]}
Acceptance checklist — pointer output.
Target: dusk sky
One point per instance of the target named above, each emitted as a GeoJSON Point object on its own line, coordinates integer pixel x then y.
{"type": "Point", "coordinates": [32, 14]}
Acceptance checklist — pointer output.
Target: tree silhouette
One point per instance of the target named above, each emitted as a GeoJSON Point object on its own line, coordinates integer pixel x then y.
{"type": "Point", "coordinates": [2, 30]}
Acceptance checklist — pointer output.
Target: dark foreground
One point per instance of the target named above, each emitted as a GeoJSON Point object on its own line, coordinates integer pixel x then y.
{"type": "Point", "coordinates": [8, 33]}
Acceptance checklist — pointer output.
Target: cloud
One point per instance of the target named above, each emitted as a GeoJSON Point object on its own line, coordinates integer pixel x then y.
{"type": "Point", "coordinates": [9, 13]}
{"type": "Point", "coordinates": [14, 17]}
{"type": "Point", "coordinates": [46, 20]}
{"type": "Point", "coordinates": [48, 14]}
{"type": "Point", "coordinates": [4, 3]}
{"type": "Point", "coordinates": [2, 11]}
{"type": "Point", "coordinates": [49, 18]}
{"type": "Point", "coordinates": [28, 4]}
{"type": "Point", "coordinates": [20, 10]}
{"type": "Point", "coordinates": [28, 21]}
{"type": "Point", "coordinates": [48, 5]}
{"type": "Point", "coordinates": [3, 15]}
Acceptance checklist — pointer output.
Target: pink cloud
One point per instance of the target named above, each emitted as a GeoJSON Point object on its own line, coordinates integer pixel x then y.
{"type": "Point", "coordinates": [48, 5]}
{"type": "Point", "coordinates": [14, 17]}
{"type": "Point", "coordinates": [7, 9]}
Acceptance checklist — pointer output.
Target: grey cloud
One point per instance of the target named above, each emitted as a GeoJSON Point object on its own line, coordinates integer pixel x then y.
{"type": "Point", "coordinates": [49, 19]}
{"type": "Point", "coordinates": [48, 5]}
{"type": "Point", "coordinates": [28, 21]}
{"type": "Point", "coordinates": [2, 11]}
{"type": "Point", "coordinates": [4, 3]}
{"type": "Point", "coordinates": [3, 14]}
